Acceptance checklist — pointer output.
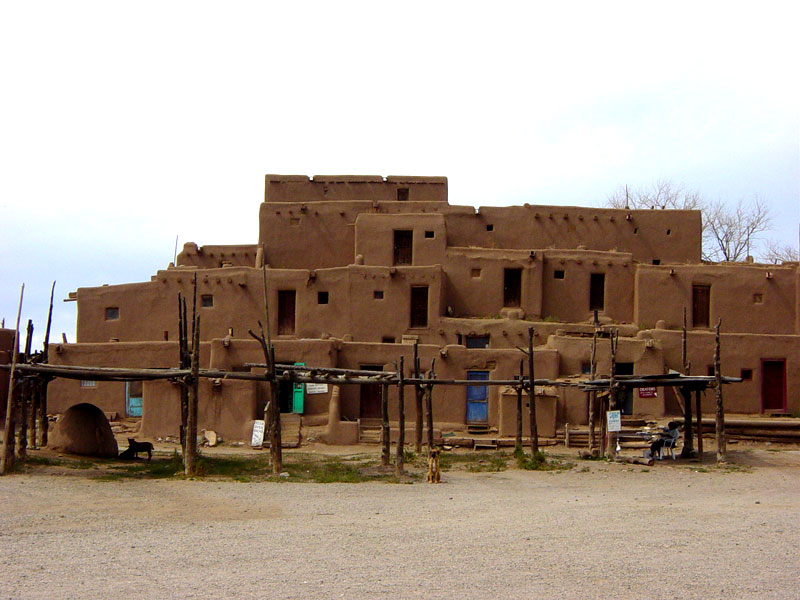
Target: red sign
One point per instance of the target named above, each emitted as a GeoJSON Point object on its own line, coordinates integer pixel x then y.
{"type": "Point", "coordinates": [648, 392]}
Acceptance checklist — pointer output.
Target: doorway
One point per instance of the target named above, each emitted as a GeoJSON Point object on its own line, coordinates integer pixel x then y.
{"type": "Point", "coordinates": [773, 385]}
{"type": "Point", "coordinates": [133, 398]}
{"type": "Point", "coordinates": [478, 399]}
{"type": "Point", "coordinates": [370, 397]}
{"type": "Point", "coordinates": [512, 287]}
{"type": "Point", "coordinates": [286, 312]}
{"type": "Point", "coordinates": [597, 291]}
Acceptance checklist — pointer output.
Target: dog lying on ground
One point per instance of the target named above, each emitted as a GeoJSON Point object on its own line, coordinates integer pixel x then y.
{"type": "Point", "coordinates": [434, 475]}
{"type": "Point", "coordinates": [134, 448]}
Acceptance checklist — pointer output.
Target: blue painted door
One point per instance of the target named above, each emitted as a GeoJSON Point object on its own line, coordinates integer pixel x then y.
{"type": "Point", "coordinates": [478, 398]}
{"type": "Point", "coordinates": [133, 398]}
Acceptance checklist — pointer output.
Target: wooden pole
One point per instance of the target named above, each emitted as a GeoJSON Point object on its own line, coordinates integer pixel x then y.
{"type": "Point", "coordinates": [418, 403]}
{"type": "Point", "coordinates": [385, 431]}
{"type": "Point", "coordinates": [429, 406]}
{"type": "Point", "coordinates": [7, 459]}
{"type": "Point", "coordinates": [699, 411]}
{"type": "Point", "coordinates": [532, 397]}
{"type": "Point", "coordinates": [44, 382]}
{"type": "Point", "coordinates": [593, 395]}
{"type": "Point", "coordinates": [33, 413]}
{"type": "Point", "coordinates": [722, 445]}
{"type": "Point", "coordinates": [518, 441]}
{"type": "Point", "coordinates": [688, 435]}
{"type": "Point", "coordinates": [190, 459]}
{"type": "Point", "coordinates": [185, 363]}
{"type": "Point", "coordinates": [401, 422]}
{"type": "Point", "coordinates": [612, 389]}
{"type": "Point", "coordinates": [275, 441]}
{"type": "Point", "coordinates": [25, 399]}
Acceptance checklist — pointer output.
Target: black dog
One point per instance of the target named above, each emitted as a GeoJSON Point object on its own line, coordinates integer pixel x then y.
{"type": "Point", "coordinates": [134, 448]}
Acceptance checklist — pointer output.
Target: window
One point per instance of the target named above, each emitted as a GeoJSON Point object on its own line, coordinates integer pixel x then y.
{"type": "Point", "coordinates": [428, 234]}
{"type": "Point", "coordinates": [656, 261]}
{"type": "Point", "coordinates": [597, 291]}
{"type": "Point", "coordinates": [112, 313]}
{"type": "Point", "coordinates": [586, 368]}
{"type": "Point", "coordinates": [88, 383]}
{"type": "Point", "coordinates": [403, 246]}
{"type": "Point", "coordinates": [402, 194]}
{"type": "Point", "coordinates": [387, 339]}
{"type": "Point", "coordinates": [701, 305]}
{"type": "Point", "coordinates": [419, 306]}
{"type": "Point", "coordinates": [206, 300]}
{"type": "Point", "coordinates": [711, 371]}
{"type": "Point", "coordinates": [286, 312]}
{"type": "Point", "coordinates": [669, 232]}
{"type": "Point", "coordinates": [476, 272]}
{"type": "Point", "coordinates": [558, 274]}
{"type": "Point", "coordinates": [377, 294]}
{"type": "Point", "coordinates": [746, 374]}
{"type": "Point", "coordinates": [490, 227]}
{"type": "Point", "coordinates": [477, 341]}
{"type": "Point", "coordinates": [512, 287]}
{"type": "Point", "coordinates": [322, 297]}
{"type": "Point", "coordinates": [758, 298]}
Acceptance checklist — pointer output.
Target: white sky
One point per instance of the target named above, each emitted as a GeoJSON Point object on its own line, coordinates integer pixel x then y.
{"type": "Point", "coordinates": [123, 125]}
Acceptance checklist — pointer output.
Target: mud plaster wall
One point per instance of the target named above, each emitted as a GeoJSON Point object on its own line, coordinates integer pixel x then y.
{"type": "Point", "coordinates": [6, 351]}
{"type": "Point", "coordinates": [301, 188]}
{"type": "Point", "coordinates": [212, 257]}
{"type": "Point", "coordinates": [374, 238]}
{"type": "Point", "coordinates": [735, 292]}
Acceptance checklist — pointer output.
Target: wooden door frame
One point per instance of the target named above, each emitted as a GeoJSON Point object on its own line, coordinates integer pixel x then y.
{"type": "Point", "coordinates": [783, 390]}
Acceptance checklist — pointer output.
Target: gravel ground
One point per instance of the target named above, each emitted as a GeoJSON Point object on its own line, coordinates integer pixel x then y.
{"type": "Point", "coordinates": [614, 531]}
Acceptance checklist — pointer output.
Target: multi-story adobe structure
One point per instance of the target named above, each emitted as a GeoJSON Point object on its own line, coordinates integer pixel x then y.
{"type": "Point", "coordinates": [358, 268]}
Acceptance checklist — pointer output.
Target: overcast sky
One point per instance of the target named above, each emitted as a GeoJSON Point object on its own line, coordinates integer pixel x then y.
{"type": "Point", "coordinates": [124, 125]}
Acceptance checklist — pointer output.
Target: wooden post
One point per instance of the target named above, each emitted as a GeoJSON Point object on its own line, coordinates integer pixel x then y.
{"type": "Point", "coordinates": [190, 457]}
{"type": "Point", "coordinates": [385, 431]}
{"type": "Point", "coordinates": [532, 396]}
{"type": "Point", "coordinates": [593, 395]}
{"type": "Point", "coordinates": [722, 444]}
{"type": "Point", "coordinates": [33, 414]}
{"type": "Point", "coordinates": [185, 362]}
{"type": "Point", "coordinates": [275, 441]}
{"type": "Point", "coordinates": [429, 406]}
{"type": "Point", "coordinates": [518, 441]}
{"type": "Point", "coordinates": [688, 436]}
{"type": "Point", "coordinates": [44, 381]}
{"type": "Point", "coordinates": [612, 395]}
{"type": "Point", "coordinates": [401, 421]}
{"type": "Point", "coordinates": [7, 459]}
{"type": "Point", "coordinates": [25, 399]}
{"type": "Point", "coordinates": [418, 403]}
{"type": "Point", "coordinates": [699, 411]}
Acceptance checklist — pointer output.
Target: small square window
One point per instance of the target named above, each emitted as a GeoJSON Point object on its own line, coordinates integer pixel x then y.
{"type": "Point", "coordinates": [207, 300]}
{"type": "Point", "coordinates": [322, 297]}
{"type": "Point", "coordinates": [387, 340]}
{"type": "Point", "coordinates": [112, 313]}
{"type": "Point", "coordinates": [710, 370]}
{"type": "Point", "coordinates": [746, 374]}
{"type": "Point", "coordinates": [490, 228]}
{"type": "Point", "coordinates": [558, 274]}
{"type": "Point", "coordinates": [669, 232]}
{"type": "Point", "coordinates": [429, 235]}
{"type": "Point", "coordinates": [758, 298]}
{"type": "Point", "coordinates": [476, 272]}
{"type": "Point", "coordinates": [377, 294]}
{"type": "Point", "coordinates": [586, 368]}
{"type": "Point", "coordinates": [656, 261]}
{"type": "Point", "coordinates": [402, 194]}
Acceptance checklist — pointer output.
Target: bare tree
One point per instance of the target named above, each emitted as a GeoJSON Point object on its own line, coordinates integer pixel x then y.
{"type": "Point", "coordinates": [729, 234]}
{"type": "Point", "coordinates": [776, 253]}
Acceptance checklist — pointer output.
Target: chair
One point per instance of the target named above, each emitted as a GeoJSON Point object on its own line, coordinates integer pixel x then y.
{"type": "Point", "coordinates": [670, 442]}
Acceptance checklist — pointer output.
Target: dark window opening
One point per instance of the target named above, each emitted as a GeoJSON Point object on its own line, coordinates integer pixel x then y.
{"type": "Point", "coordinates": [403, 246]}
{"type": "Point", "coordinates": [387, 339]}
{"type": "Point", "coordinates": [475, 272]}
{"type": "Point", "coordinates": [701, 305]}
{"type": "Point", "coordinates": [758, 298]}
{"type": "Point", "coordinates": [377, 294]}
{"type": "Point", "coordinates": [402, 194]}
{"type": "Point", "coordinates": [711, 371]}
{"type": "Point", "coordinates": [206, 300]}
{"type": "Point", "coordinates": [746, 374]}
{"type": "Point", "coordinates": [429, 234]}
{"type": "Point", "coordinates": [586, 368]}
{"type": "Point", "coordinates": [558, 274]}
{"type": "Point", "coordinates": [166, 335]}
{"type": "Point", "coordinates": [477, 341]}
{"type": "Point", "coordinates": [635, 230]}
{"type": "Point", "coordinates": [490, 227]}
{"type": "Point", "coordinates": [597, 291]}
{"type": "Point", "coordinates": [419, 306]}
{"type": "Point", "coordinates": [512, 287]}
{"type": "Point", "coordinates": [669, 231]}
{"type": "Point", "coordinates": [656, 261]}
{"type": "Point", "coordinates": [322, 297]}
{"type": "Point", "coordinates": [286, 312]}
{"type": "Point", "coordinates": [112, 313]}
{"type": "Point", "coordinates": [459, 339]}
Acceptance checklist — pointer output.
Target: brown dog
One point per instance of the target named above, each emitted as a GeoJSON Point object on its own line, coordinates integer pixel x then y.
{"type": "Point", "coordinates": [434, 474]}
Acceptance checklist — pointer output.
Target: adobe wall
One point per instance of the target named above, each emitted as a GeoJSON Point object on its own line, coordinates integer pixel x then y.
{"type": "Point", "coordinates": [300, 188]}
{"type": "Point", "coordinates": [6, 355]}
{"type": "Point", "coordinates": [374, 240]}
{"type": "Point", "coordinates": [212, 257]}
{"type": "Point", "coordinates": [749, 298]}
{"type": "Point", "coordinates": [644, 235]}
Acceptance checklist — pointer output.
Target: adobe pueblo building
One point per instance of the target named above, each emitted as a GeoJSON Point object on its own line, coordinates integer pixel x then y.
{"type": "Point", "coordinates": [359, 268]}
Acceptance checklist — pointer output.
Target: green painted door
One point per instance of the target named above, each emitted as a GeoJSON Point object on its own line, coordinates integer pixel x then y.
{"type": "Point", "coordinates": [298, 394]}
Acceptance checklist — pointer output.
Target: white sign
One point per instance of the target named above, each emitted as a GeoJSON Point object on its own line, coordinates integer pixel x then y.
{"type": "Point", "coordinates": [614, 420]}
{"type": "Point", "coordinates": [316, 388]}
{"type": "Point", "coordinates": [258, 434]}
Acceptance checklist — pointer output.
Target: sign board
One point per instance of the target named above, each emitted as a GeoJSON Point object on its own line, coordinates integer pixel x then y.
{"type": "Point", "coordinates": [258, 434]}
{"type": "Point", "coordinates": [648, 392]}
{"type": "Point", "coordinates": [614, 420]}
{"type": "Point", "coordinates": [316, 388]}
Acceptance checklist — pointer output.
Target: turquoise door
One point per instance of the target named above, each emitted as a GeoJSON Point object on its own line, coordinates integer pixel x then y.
{"type": "Point", "coordinates": [478, 398]}
{"type": "Point", "coordinates": [133, 398]}
{"type": "Point", "coordinates": [298, 394]}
